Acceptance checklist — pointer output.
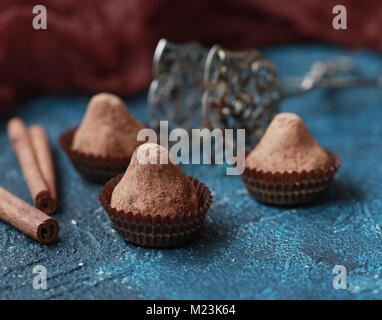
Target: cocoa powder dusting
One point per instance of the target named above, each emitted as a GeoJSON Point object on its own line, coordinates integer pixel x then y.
{"type": "Point", "coordinates": [154, 188]}
{"type": "Point", "coordinates": [107, 129]}
{"type": "Point", "coordinates": [288, 146]}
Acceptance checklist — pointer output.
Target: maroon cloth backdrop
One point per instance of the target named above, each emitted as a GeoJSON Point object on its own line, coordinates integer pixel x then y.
{"type": "Point", "coordinates": [99, 45]}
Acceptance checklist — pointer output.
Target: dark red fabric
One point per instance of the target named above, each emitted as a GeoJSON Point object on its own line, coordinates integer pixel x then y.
{"type": "Point", "coordinates": [99, 45]}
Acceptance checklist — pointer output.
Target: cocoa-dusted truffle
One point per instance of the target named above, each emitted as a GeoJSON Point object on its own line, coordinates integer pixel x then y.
{"type": "Point", "coordinates": [288, 167]}
{"type": "Point", "coordinates": [288, 146]}
{"type": "Point", "coordinates": [108, 129]}
{"type": "Point", "coordinates": [150, 186]}
{"type": "Point", "coordinates": [154, 203]}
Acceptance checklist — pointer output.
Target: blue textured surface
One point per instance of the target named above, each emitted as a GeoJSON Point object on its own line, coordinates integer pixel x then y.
{"type": "Point", "coordinates": [247, 250]}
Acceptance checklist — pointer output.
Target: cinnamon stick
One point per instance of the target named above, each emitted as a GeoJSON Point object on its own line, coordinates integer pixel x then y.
{"type": "Point", "coordinates": [21, 144]}
{"type": "Point", "coordinates": [26, 218]}
{"type": "Point", "coordinates": [40, 143]}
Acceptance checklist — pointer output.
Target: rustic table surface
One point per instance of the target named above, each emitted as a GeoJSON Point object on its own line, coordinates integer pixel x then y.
{"type": "Point", "coordinates": [246, 250]}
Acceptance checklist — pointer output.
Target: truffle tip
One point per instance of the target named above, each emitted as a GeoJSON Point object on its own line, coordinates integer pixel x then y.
{"type": "Point", "coordinates": [152, 153]}
{"type": "Point", "coordinates": [104, 100]}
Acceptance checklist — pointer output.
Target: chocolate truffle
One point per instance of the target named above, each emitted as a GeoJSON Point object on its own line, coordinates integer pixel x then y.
{"type": "Point", "coordinates": [108, 129]}
{"type": "Point", "coordinates": [288, 146]}
{"type": "Point", "coordinates": [150, 186]}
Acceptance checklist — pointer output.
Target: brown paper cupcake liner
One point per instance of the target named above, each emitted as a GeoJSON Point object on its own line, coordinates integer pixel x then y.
{"type": "Point", "coordinates": [153, 230]}
{"type": "Point", "coordinates": [93, 168]}
{"type": "Point", "coordinates": [289, 188]}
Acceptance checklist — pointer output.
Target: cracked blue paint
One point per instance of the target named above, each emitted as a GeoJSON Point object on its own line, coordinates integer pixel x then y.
{"type": "Point", "coordinates": [247, 250]}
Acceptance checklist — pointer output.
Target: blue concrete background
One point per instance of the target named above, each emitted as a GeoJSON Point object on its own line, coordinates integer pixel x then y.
{"type": "Point", "coordinates": [247, 250]}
